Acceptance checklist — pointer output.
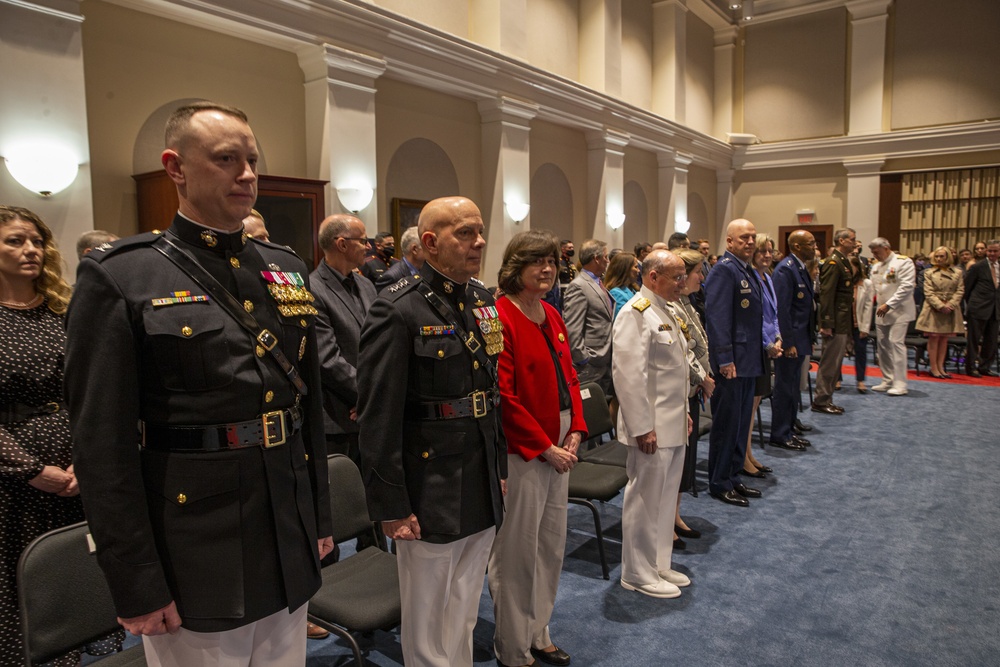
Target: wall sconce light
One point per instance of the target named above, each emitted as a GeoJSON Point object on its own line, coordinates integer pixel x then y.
{"type": "Point", "coordinates": [45, 167]}
{"type": "Point", "coordinates": [806, 216]}
{"type": "Point", "coordinates": [616, 219]}
{"type": "Point", "coordinates": [682, 226]}
{"type": "Point", "coordinates": [517, 211]}
{"type": "Point", "coordinates": [355, 200]}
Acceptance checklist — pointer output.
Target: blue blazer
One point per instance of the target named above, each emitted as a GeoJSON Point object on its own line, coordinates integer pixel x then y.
{"type": "Point", "coordinates": [734, 317]}
{"type": "Point", "coordinates": [794, 289]}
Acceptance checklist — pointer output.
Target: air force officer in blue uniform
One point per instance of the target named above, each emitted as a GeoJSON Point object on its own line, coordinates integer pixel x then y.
{"type": "Point", "coordinates": [734, 320]}
{"type": "Point", "coordinates": [794, 288]}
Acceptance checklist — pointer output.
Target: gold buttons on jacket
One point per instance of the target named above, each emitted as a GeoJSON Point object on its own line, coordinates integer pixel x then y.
{"type": "Point", "coordinates": [303, 323]}
{"type": "Point", "coordinates": [425, 455]}
{"type": "Point", "coordinates": [260, 351]}
{"type": "Point", "coordinates": [248, 306]}
{"type": "Point", "coordinates": [475, 364]}
{"type": "Point", "coordinates": [187, 331]}
{"type": "Point", "coordinates": [181, 499]}
{"type": "Point", "coordinates": [269, 396]}
{"type": "Point", "coordinates": [235, 262]}
{"type": "Point", "coordinates": [562, 338]}
{"type": "Point", "coordinates": [441, 353]}
{"type": "Point", "coordinates": [461, 306]}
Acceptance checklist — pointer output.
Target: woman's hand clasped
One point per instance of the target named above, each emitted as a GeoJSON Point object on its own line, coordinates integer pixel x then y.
{"type": "Point", "coordinates": [561, 459]}
{"type": "Point", "coordinates": [54, 479]}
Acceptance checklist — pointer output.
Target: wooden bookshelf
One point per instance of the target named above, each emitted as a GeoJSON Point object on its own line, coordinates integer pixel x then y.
{"type": "Point", "coordinates": [954, 208]}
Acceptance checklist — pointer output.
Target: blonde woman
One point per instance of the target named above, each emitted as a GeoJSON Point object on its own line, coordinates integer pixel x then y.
{"type": "Point", "coordinates": [941, 315]}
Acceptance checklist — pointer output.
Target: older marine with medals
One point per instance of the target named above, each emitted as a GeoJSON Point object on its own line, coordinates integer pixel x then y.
{"type": "Point", "coordinates": [433, 452]}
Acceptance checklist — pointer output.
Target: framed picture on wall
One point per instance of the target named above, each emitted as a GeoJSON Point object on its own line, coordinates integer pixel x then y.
{"type": "Point", "coordinates": [405, 213]}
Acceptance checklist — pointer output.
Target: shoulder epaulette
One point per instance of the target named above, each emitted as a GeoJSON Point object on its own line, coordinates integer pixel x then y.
{"type": "Point", "coordinates": [271, 245]}
{"type": "Point", "coordinates": [641, 304]}
{"type": "Point", "coordinates": [477, 281]}
{"type": "Point", "coordinates": [724, 260]}
{"type": "Point", "coordinates": [400, 287]}
{"type": "Point", "coordinates": [902, 256]}
{"type": "Point", "coordinates": [105, 250]}
{"type": "Point", "coordinates": [831, 261]}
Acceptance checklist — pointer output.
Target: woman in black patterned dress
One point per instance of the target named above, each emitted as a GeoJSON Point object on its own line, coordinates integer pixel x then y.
{"type": "Point", "coordinates": [38, 491]}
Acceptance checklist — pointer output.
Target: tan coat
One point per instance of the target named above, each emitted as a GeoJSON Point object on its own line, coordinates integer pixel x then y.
{"type": "Point", "coordinates": [942, 287]}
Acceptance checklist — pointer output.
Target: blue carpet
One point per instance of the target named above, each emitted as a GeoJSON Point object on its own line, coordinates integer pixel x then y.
{"type": "Point", "coordinates": [877, 546]}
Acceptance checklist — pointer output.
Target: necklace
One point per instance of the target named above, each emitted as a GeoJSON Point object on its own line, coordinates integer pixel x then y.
{"type": "Point", "coordinates": [31, 303]}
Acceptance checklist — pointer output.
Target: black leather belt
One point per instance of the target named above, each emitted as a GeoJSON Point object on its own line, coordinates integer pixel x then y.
{"type": "Point", "coordinates": [476, 404]}
{"type": "Point", "coordinates": [269, 430]}
{"type": "Point", "coordinates": [13, 413]}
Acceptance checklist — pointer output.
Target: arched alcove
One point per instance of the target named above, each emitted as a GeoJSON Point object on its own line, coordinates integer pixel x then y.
{"type": "Point", "coordinates": [636, 216]}
{"type": "Point", "coordinates": [552, 202]}
{"type": "Point", "coordinates": [420, 169]}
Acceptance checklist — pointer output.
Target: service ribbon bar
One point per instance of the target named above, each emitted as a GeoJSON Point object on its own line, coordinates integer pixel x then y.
{"type": "Point", "coordinates": [180, 297]}
{"type": "Point", "coordinates": [283, 278]}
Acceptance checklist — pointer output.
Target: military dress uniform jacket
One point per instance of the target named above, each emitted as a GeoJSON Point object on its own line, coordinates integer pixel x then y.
{"type": "Point", "coordinates": [338, 334]}
{"type": "Point", "coordinates": [651, 366]}
{"type": "Point", "coordinates": [894, 280]}
{"type": "Point", "coordinates": [836, 294]}
{"type": "Point", "coordinates": [446, 471]}
{"type": "Point", "coordinates": [229, 535]}
{"type": "Point", "coordinates": [794, 290]}
{"type": "Point", "coordinates": [734, 317]}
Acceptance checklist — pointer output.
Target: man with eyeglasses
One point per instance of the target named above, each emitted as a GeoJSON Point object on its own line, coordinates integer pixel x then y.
{"type": "Point", "coordinates": [343, 297]}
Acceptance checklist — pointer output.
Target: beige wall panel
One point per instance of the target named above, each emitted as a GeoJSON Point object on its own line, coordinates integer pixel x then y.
{"type": "Point", "coordinates": [945, 57]}
{"type": "Point", "coordinates": [700, 75]}
{"type": "Point", "coordinates": [553, 36]}
{"type": "Point", "coordinates": [640, 173]}
{"type": "Point", "coordinates": [950, 161]}
{"type": "Point", "coordinates": [795, 77]}
{"type": "Point", "coordinates": [566, 149]}
{"type": "Point", "coordinates": [451, 16]}
{"type": "Point", "coordinates": [637, 52]}
{"type": "Point", "coordinates": [702, 204]}
{"type": "Point", "coordinates": [770, 198]}
{"type": "Point", "coordinates": [135, 63]}
{"type": "Point", "coordinates": [404, 112]}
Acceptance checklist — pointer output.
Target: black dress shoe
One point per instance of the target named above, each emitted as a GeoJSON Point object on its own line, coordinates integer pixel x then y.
{"type": "Point", "coordinates": [679, 544]}
{"type": "Point", "coordinates": [746, 491]}
{"type": "Point", "coordinates": [759, 474]}
{"type": "Point", "coordinates": [687, 532]}
{"type": "Point", "coordinates": [802, 427]}
{"type": "Point", "coordinates": [788, 444]}
{"type": "Point", "coordinates": [799, 440]}
{"type": "Point", "coordinates": [732, 498]}
{"type": "Point", "coordinates": [767, 469]}
{"type": "Point", "coordinates": [975, 374]}
{"type": "Point", "coordinates": [828, 409]}
{"type": "Point", "coordinates": [557, 657]}
{"type": "Point", "coordinates": [985, 372]}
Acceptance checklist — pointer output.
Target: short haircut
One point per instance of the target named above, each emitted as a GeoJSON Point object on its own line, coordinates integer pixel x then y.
{"type": "Point", "coordinates": [92, 239]}
{"type": "Point", "coordinates": [332, 228]}
{"type": "Point", "coordinates": [879, 242]}
{"type": "Point", "coordinates": [410, 238]}
{"type": "Point", "coordinates": [522, 250]}
{"type": "Point", "coordinates": [676, 239]}
{"type": "Point", "coordinates": [181, 117]}
{"type": "Point", "coordinates": [992, 242]}
{"type": "Point", "coordinates": [842, 234]}
{"type": "Point", "coordinates": [639, 247]}
{"type": "Point", "coordinates": [565, 242]}
{"type": "Point", "coordinates": [657, 260]}
{"type": "Point", "coordinates": [700, 241]}
{"type": "Point", "coordinates": [590, 249]}
{"type": "Point", "coordinates": [691, 258]}
{"type": "Point", "coordinates": [382, 236]}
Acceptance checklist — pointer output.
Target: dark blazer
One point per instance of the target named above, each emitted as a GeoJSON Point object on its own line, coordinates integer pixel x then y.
{"type": "Point", "coordinates": [230, 536]}
{"type": "Point", "coordinates": [445, 471]}
{"type": "Point", "coordinates": [794, 289]}
{"type": "Point", "coordinates": [836, 294]}
{"type": "Point", "coordinates": [338, 334]}
{"type": "Point", "coordinates": [393, 274]}
{"type": "Point", "coordinates": [981, 297]}
{"type": "Point", "coordinates": [734, 317]}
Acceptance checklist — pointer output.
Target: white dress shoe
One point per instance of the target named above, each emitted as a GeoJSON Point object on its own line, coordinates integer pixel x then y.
{"type": "Point", "coordinates": [882, 386]}
{"type": "Point", "coordinates": [896, 391]}
{"type": "Point", "coordinates": [661, 589]}
{"type": "Point", "coordinates": [674, 577]}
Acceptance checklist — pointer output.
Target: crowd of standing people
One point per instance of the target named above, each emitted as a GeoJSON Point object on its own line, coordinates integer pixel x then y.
{"type": "Point", "coordinates": [190, 391]}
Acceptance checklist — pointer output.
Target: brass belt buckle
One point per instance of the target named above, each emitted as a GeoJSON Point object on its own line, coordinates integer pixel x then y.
{"type": "Point", "coordinates": [269, 420]}
{"type": "Point", "coordinates": [267, 339]}
{"type": "Point", "coordinates": [478, 404]}
{"type": "Point", "coordinates": [52, 407]}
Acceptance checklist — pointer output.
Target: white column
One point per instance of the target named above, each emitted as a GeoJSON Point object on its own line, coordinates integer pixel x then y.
{"type": "Point", "coordinates": [670, 59]}
{"type": "Point", "coordinates": [725, 55]}
{"type": "Point", "coordinates": [506, 124]}
{"type": "Point", "coordinates": [605, 183]}
{"type": "Point", "coordinates": [500, 25]}
{"type": "Point", "coordinates": [723, 206]}
{"type": "Point", "coordinates": [863, 184]}
{"type": "Point", "coordinates": [44, 100]}
{"type": "Point", "coordinates": [868, 36]}
{"type": "Point", "coordinates": [340, 124]}
{"type": "Point", "coordinates": [673, 185]}
{"type": "Point", "coordinates": [601, 45]}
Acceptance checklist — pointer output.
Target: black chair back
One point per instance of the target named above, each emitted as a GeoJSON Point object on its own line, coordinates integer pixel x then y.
{"type": "Point", "coordinates": [349, 507]}
{"type": "Point", "coordinates": [595, 410]}
{"type": "Point", "coordinates": [64, 599]}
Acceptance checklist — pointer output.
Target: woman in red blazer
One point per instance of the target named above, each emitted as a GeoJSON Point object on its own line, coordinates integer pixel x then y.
{"type": "Point", "coordinates": [542, 415]}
